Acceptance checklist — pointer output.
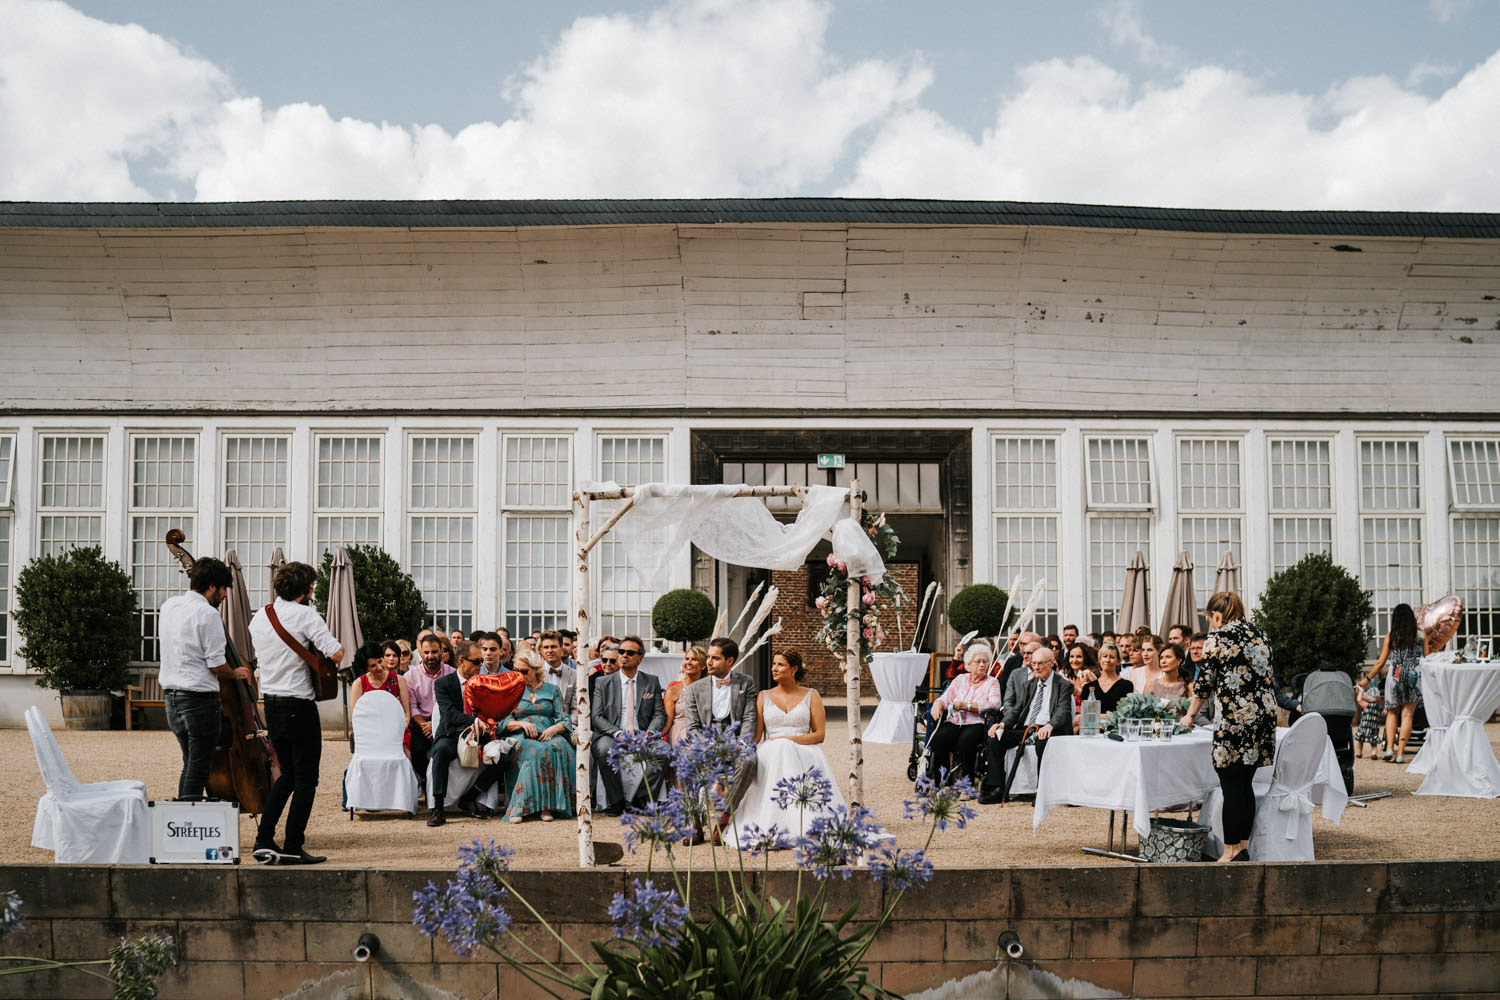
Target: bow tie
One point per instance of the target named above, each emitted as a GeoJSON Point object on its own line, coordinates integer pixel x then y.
{"type": "Point", "coordinates": [722, 683]}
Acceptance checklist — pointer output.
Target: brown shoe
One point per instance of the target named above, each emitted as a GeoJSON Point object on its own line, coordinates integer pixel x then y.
{"type": "Point", "coordinates": [435, 817]}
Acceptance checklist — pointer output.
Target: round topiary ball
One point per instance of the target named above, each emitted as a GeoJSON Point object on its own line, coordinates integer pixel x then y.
{"type": "Point", "coordinates": [977, 608]}
{"type": "Point", "coordinates": [683, 615]}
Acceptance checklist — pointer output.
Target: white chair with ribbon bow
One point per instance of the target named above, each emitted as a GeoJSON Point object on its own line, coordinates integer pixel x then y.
{"type": "Point", "coordinates": [1283, 812]}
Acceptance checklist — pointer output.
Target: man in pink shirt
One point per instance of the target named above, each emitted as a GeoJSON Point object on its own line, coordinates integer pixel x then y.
{"type": "Point", "coordinates": [419, 684]}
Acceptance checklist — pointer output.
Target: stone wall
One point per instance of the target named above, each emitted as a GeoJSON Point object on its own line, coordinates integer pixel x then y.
{"type": "Point", "coordinates": [800, 622]}
{"type": "Point", "coordinates": [1426, 928]}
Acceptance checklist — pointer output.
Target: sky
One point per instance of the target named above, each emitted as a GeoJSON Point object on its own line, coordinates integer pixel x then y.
{"type": "Point", "coordinates": [1274, 104]}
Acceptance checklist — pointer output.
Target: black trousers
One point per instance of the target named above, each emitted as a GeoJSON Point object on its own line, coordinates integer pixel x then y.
{"type": "Point", "coordinates": [297, 737]}
{"type": "Point", "coordinates": [194, 717]}
{"type": "Point", "coordinates": [1239, 800]}
{"type": "Point", "coordinates": [949, 739]}
{"type": "Point", "coordinates": [421, 749]}
{"type": "Point", "coordinates": [444, 753]}
{"type": "Point", "coordinates": [995, 777]}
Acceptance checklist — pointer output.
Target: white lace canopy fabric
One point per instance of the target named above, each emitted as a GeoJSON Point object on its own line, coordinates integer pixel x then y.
{"type": "Point", "coordinates": [665, 517]}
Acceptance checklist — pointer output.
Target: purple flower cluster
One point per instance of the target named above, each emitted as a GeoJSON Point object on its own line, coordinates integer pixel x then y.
{"type": "Point", "coordinates": [809, 790]}
{"type": "Point", "coordinates": [759, 842]}
{"type": "Point", "coordinates": [658, 824]}
{"type": "Point", "coordinates": [651, 917]}
{"type": "Point", "coordinates": [711, 755]}
{"type": "Point", "coordinates": [837, 839]}
{"type": "Point", "coordinates": [642, 748]}
{"type": "Point", "coordinates": [900, 870]}
{"type": "Point", "coordinates": [468, 911]}
{"type": "Point", "coordinates": [943, 802]}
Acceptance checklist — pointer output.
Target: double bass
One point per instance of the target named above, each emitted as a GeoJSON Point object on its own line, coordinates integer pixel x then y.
{"type": "Point", "coordinates": [244, 763]}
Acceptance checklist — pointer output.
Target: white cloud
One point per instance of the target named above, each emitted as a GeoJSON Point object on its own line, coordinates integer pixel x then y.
{"type": "Point", "coordinates": [1080, 131]}
{"type": "Point", "coordinates": [1127, 30]}
{"type": "Point", "coordinates": [1445, 10]}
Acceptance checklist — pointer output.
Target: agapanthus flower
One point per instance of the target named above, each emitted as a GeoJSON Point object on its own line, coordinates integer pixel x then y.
{"type": "Point", "coordinates": [835, 839]}
{"type": "Point", "coordinates": [468, 911]}
{"type": "Point", "coordinates": [657, 824]}
{"type": "Point", "coordinates": [710, 755]}
{"type": "Point", "coordinates": [651, 917]}
{"type": "Point", "coordinates": [809, 790]}
{"type": "Point", "coordinates": [942, 802]}
{"type": "Point", "coordinates": [758, 841]}
{"type": "Point", "coordinates": [642, 748]}
{"type": "Point", "coordinates": [900, 870]}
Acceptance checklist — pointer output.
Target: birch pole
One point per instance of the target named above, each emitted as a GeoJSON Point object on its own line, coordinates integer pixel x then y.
{"type": "Point", "coordinates": [852, 666]}
{"type": "Point", "coordinates": [583, 737]}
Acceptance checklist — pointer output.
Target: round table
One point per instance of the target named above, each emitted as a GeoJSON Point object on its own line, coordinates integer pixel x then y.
{"type": "Point", "coordinates": [1456, 757]}
{"type": "Point", "coordinates": [896, 678]}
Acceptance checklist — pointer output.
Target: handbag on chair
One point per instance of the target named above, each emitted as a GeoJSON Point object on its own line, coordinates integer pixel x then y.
{"type": "Point", "coordinates": [468, 747]}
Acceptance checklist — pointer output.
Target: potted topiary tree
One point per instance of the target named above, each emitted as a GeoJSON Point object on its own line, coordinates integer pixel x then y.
{"type": "Point", "coordinates": [682, 616]}
{"type": "Point", "coordinates": [1317, 617]}
{"type": "Point", "coordinates": [977, 608]}
{"type": "Point", "coordinates": [389, 603]}
{"type": "Point", "coordinates": [80, 628]}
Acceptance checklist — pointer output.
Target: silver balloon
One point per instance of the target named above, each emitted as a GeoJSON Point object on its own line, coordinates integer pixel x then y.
{"type": "Point", "coordinates": [1440, 620]}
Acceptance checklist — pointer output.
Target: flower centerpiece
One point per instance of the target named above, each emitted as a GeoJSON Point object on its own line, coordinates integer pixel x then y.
{"type": "Point", "coordinates": [746, 943]}
{"type": "Point", "coordinates": [1139, 705]}
{"type": "Point", "coordinates": [833, 596]}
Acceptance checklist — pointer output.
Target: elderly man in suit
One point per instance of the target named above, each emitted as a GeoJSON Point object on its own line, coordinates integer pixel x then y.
{"type": "Point", "coordinates": [627, 700]}
{"type": "Point", "coordinates": [452, 721]}
{"type": "Point", "coordinates": [1046, 702]}
{"type": "Point", "coordinates": [720, 696]}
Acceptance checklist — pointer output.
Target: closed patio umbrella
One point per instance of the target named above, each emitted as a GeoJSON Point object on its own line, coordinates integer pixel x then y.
{"type": "Point", "coordinates": [236, 611]}
{"type": "Point", "coordinates": [1227, 577]}
{"type": "Point", "coordinates": [1135, 604]}
{"type": "Point", "coordinates": [278, 560]}
{"type": "Point", "coordinates": [1181, 605]}
{"type": "Point", "coordinates": [343, 618]}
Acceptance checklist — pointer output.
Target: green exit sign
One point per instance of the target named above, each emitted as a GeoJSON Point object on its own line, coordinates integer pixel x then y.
{"type": "Point", "coordinates": [830, 461]}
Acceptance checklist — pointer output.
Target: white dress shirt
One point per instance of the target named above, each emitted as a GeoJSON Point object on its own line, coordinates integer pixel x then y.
{"type": "Point", "coordinates": [192, 643]}
{"type": "Point", "coordinates": [627, 705]}
{"type": "Point", "coordinates": [722, 690]}
{"type": "Point", "coordinates": [1041, 704]}
{"type": "Point", "coordinates": [282, 671]}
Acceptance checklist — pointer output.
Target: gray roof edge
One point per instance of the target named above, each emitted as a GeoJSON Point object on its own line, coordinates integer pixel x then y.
{"type": "Point", "coordinates": [716, 211]}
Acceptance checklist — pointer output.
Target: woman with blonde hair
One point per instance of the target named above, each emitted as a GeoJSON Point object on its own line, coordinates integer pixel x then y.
{"type": "Point", "coordinates": [694, 663]}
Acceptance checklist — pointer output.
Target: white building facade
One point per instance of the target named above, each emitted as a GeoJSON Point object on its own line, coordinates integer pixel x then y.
{"type": "Point", "coordinates": [1029, 389]}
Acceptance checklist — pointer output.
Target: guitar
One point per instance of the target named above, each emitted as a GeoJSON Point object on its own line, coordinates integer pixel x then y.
{"type": "Point", "coordinates": [325, 672]}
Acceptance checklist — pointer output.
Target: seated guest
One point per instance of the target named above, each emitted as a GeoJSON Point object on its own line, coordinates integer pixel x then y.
{"type": "Point", "coordinates": [1150, 665]}
{"type": "Point", "coordinates": [959, 713]}
{"type": "Point", "coordinates": [453, 720]}
{"type": "Point", "coordinates": [1195, 656]}
{"type": "Point", "coordinates": [1110, 687]}
{"type": "Point", "coordinates": [381, 673]}
{"type": "Point", "coordinates": [607, 662]}
{"type": "Point", "coordinates": [1047, 704]}
{"type": "Point", "coordinates": [1130, 657]}
{"type": "Point", "coordinates": [1082, 666]}
{"type": "Point", "coordinates": [694, 663]}
{"type": "Point", "coordinates": [539, 770]}
{"type": "Point", "coordinates": [629, 700]}
{"type": "Point", "coordinates": [420, 682]}
{"type": "Point", "coordinates": [406, 653]}
{"type": "Point", "coordinates": [1169, 682]}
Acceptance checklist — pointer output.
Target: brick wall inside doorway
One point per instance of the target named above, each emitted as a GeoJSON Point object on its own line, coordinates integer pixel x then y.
{"type": "Point", "coordinates": [800, 622]}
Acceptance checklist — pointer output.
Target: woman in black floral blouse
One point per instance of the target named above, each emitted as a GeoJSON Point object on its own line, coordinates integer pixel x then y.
{"type": "Point", "coordinates": [1236, 673]}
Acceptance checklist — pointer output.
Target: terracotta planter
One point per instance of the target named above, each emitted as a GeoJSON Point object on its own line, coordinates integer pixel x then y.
{"type": "Point", "coordinates": [86, 710]}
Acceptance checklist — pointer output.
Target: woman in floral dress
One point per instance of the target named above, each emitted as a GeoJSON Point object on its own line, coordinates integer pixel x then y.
{"type": "Point", "coordinates": [1236, 674]}
{"type": "Point", "coordinates": [539, 772]}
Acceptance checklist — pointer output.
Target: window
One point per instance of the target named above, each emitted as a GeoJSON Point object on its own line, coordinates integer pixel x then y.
{"type": "Point", "coordinates": [347, 505]}
{"type": "Point", "coordinates": [1119, 482]}
{"type": "Point", "coordinates": [624, 604]}
{"type": "Point", "coordinates": [7, 465]}
{"type": "Point", "coordinates": [1390, 528]}
{"type": "Point", "coordinates": [1301, 501]}
{"type": "Point", "coordinates": [163, 495]}
{"type": "Point", "coordinates": [1026, 522]}
{"type": "Point", "coordinates": [537, 525]}
{"type": "Point", "coordinates": [1209, 501]}
{"type": "Point", "coordinates": [442, 528]}
{"type": "Point", "coordinates": [1474, 467]}
{"type": "Point", "coordinates": [256, 506]}
{"type": "Point", "coordinates": [71, 508]}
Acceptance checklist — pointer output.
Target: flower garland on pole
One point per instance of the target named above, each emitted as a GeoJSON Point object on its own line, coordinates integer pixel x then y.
{"type": "Point", "coordinates": [831, 605]}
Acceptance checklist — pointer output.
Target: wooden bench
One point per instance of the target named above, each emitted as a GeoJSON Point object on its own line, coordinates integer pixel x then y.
{"type": "Point", "coordinates": [144, 693]}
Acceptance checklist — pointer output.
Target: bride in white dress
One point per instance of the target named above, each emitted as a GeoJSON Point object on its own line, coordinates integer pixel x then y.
{"type": "Point", "coordinates": [789, 729]}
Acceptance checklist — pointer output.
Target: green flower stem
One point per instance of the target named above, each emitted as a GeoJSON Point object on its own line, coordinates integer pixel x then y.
{"type": "Point", "coordinates": [47, 965]}
{"type": "Point", "coordinates": [550, 929]}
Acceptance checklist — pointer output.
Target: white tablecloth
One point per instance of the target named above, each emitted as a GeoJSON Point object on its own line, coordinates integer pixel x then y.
{"type": "Point", "coordinates": [1139, 777]}
{"type": "Point", "coordinates": [1457, 758]}
{"type": "Point", "coordinates": [896, 678]}
{"type": "Point", "coordinates": [665, 667]}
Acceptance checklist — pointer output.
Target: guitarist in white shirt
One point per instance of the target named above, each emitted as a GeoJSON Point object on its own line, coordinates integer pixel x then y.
{"type": "Point", "coordinates": [286, 682]}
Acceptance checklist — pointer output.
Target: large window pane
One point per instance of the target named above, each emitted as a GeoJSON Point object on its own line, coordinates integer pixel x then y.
{"type": "Point", "coordinates": [347, 502]}
{"type": "Point", "coordinates": [71, 500]}
{"type": "Point", "coordinates": [1476, 473]}
{"type": "Point", "coordinates": [1392, 562]}
{"type": "Point", "coordinates": [538, 471]}
{"type": "Point", "coordinates": [1112, 543]}
{"type": "Point", "coordinates": [1301, 475]}
{"type": "Point", "coordinates": [1025, 474]}
{"type": "Point", "coordinates": [1205, 540]}
{"type": "Point", "coordinates": [1028, 546]}
{"type": "Point", "coordinates": [624, 602]}
{"type": "Point", "coordinates": [163, 495]}
{"type": "Point", "coordinates": [1476, 574]}
{"type": "Point", "coordinates": [256, 506]}
{"type": "Point", "coordinates": [4, 587]}
{"type": "Point", "coordinates": [1119, 471]}
{"type": "Point", "coordinates": [1294, 538]}
{"type": "Point", "coordinates": [1390, 475]}
{"type": "Point", "coordinates": [442, 473]}
{"type": "Point", "coordinates": [536, 572]}
{"type": "Point", "coordinates": [442, 563]}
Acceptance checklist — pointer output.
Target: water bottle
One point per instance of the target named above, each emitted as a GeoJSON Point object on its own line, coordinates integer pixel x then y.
{"type": "Point", "coordinates": [1089, 722]}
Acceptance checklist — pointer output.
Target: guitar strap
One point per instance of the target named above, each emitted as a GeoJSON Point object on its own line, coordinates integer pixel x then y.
{"type": "Point", "coordinates": [297, 647]}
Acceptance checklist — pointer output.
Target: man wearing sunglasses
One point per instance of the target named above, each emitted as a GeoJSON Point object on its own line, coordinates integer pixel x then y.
{"type": "Point", "coordinates": [452, 721]}
{"type": "Point", "coordinates": [628, 701]}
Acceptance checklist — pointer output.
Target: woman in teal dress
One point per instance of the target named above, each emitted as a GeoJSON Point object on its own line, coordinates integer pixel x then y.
{"type": "Point", "coordinates": [539, 772]}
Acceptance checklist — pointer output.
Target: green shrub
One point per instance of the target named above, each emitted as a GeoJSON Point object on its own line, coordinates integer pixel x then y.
{"type": "Point", "coordinates": [79, 620]}
{"type": "Point", "coordinates": [390, 605]}
{"type": "Point", "coordinates": [683, 615]}
{"type": "Point", "coordinates": [977, 608]}
{"type": "Point", "coordinates": [1316, 617]}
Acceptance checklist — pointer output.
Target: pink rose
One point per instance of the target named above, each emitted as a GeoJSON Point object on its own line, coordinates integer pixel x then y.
{"type": "Point", "coordinates": [840, 566]}
{"type": "Point", "coordinates": [831, 560]}
{"type": "Point", "coordinates": [869, 598]}
{"type": "Point", "coordinates": [865, 580]}
{"type": "Point", "coordinates": [869, 633]}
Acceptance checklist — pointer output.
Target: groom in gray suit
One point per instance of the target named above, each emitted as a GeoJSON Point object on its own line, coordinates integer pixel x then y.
{"type": "Point", "coordinates": [627, 700]}
{"type": "Point", "coordinates": [723, 695]}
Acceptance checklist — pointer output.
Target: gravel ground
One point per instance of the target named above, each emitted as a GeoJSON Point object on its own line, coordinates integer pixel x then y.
{"type": "Point", "coordinates": [1402, 826]}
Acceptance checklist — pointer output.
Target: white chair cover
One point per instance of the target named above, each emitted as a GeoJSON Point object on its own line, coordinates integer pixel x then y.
{"type": "Point", "coordinates": [896, 678]}
{"type": "Point", "coordinates": [1457, 757]}
{"type": "Point", "coordinates": [379, 775]}
{"type": "Point", "coordinates": [1283, 812]}
{"type": "Point", "coordinates": [105, 822]}
{"type": "Point", "coordinates": [1026, 774]}
{"type": "Point", "coordinates": [460, 778]}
